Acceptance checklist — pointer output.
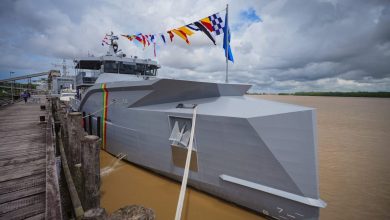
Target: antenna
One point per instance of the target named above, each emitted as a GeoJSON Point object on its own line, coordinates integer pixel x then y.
{"type": "Point", "coordinates": [64, 67]}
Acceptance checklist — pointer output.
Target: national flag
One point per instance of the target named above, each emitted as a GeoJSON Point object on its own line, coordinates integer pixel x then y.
{"type": "Point", "coordinates": [204, 30]}
{"type": "Point", "coordinates": [226, 41]}
{"type": "Point", "coordinates": [207, 23]}
{"type": "Point", "coordinates": [170, 35]}
{"type": "Point", "coordinates": [182, 35]}
{"type": "Point", "coordinates": [217, 23]}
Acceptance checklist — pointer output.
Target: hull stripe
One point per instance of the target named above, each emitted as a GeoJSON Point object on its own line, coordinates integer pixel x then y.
{"type": "Point", "coordinates": [104, 114]}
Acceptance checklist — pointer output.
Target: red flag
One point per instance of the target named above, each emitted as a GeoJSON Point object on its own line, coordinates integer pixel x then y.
{"type": "Point", "coordinates": [138, 38]}
{"type": "Point", "coordinates": [170, 35]}
{"type": "Point", "coordinates": [207, 23]}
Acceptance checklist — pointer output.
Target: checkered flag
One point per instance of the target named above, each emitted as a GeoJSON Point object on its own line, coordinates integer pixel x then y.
{"type": "Point", "coordinates": [217, 23]}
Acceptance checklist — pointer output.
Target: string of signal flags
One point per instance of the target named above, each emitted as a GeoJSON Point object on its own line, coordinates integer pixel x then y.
{"type": "Point", "coordinates": [212, 26]}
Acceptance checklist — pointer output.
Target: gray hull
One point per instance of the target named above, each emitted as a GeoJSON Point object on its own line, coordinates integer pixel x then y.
{"type": "Point", "coordinates": [256, 153]}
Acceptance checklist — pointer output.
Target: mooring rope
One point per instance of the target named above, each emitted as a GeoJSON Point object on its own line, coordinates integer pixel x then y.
{"type": "Point", "coordinates": [113, 164]}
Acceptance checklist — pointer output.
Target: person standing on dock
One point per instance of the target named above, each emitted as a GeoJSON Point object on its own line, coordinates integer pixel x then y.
{"type": "Point", "coordinates": [25, 96]}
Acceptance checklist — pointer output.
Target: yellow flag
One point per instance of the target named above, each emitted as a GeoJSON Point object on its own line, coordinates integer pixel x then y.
{"type": "Point", "coordinates": [186, 30]}
{"type": "Point", "coordinates": [181, 34]}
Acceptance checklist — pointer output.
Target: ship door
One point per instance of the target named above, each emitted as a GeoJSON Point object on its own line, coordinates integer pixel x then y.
{"type": "Point", "coordinates": [180, 138]}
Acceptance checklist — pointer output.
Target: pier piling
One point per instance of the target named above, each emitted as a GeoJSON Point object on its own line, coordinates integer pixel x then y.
{"type": "Point", "coordinates": [74, 149]}
{"type": "Point", "coordinates": [90, 147]}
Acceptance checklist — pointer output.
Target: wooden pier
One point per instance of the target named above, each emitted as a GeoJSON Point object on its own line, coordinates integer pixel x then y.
{"type": "Point", "coordinates": [28, 182]}
{"type": "Point", "coordinates": [49, 166]}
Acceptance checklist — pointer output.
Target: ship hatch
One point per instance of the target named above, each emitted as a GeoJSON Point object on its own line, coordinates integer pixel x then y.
{"type": "Point", "coordinates": [180, 138]}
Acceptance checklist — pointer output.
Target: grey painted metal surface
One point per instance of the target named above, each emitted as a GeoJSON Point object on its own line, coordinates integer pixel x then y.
{"type": "Point", "coordinates": [259, 154]}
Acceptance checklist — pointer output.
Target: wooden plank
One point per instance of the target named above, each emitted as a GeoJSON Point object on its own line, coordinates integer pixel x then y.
{"type": "Point", "coordinates": [19, 160]}
{"type": "Point", "coordinates": [23, 193]}
{"type": "Point", "coordinates": [25, 212]}
{"type": "Point", "coordinates": [9, 120]}
{"type": "Point", "coordinates": [19, 126]}
{"type": "Point", "coordinates": [24, 144]}
{"type": "Point", "coordinates": [23, 202]}
{"type": "Point", "coordinates": [21, 166]}
{"type": "Point", "coordinates": [40, 216]}
{"type": "Point", "coordinates": [22, 183]}
{"type": "Point", "coordinates": [20, 132]}
{"type": "Point", "coordinates": [6, 155]}
{"type": "Point", "coordinates": [22, 170]}
{"type": "Point", "coordinates": [34, 137]}
{"type": "Point", "coordinates": [19, 148]}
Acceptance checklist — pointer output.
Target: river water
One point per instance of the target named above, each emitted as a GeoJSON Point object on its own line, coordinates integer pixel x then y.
{"type": "Point", "coordinates": [354, 168]}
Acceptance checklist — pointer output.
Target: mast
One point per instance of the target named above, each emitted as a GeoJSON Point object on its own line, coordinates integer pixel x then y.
{"type": "Point", "coordinates": [227, 44]}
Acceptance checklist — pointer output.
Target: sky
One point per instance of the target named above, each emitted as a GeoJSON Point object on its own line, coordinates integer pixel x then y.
{"type": "Point", "coordinates": [278, 45]}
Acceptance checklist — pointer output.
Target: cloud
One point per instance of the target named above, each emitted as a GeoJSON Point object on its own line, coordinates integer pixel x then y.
{"type": "Point", "coordinates": [306, 45]}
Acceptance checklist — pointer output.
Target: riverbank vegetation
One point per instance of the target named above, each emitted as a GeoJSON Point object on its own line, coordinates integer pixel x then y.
{"type": "Point", "coordinates": [335, 94]}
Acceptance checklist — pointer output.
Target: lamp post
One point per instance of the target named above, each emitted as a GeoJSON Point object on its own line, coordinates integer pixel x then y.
{"type": "Point", "coordinates": [12, 87]}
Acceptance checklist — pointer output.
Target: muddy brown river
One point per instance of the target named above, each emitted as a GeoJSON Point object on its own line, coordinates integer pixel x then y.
{"type": "Point", "coordinates": [354, 168]}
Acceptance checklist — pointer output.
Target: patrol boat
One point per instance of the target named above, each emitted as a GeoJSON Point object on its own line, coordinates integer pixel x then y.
{"type": "Point", "coordinates": [258, 154]}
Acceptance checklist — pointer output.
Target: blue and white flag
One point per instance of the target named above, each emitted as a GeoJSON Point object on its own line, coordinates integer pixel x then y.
{"type": "Point", "coordinates": [217, 23]}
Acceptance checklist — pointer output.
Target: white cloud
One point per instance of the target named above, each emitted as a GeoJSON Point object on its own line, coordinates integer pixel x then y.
{"type": "Point", "coordinates": [305, 45]}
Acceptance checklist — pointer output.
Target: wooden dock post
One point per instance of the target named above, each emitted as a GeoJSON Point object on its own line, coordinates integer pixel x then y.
{"type": "Point", "coordinates": [74, 149]}
{"type": "Point", "coordinates": [90, 147]}
{"type": "Point", "coordinates": [73, 123]}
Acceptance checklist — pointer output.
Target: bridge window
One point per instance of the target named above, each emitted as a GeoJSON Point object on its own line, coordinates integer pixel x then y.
{"type": "Point", "coordinates": [110, 67]}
